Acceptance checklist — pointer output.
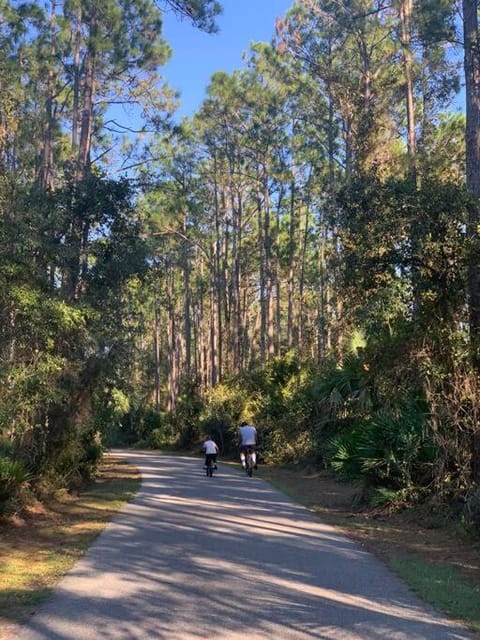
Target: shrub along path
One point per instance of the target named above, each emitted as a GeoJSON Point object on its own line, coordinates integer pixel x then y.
{"type": "Point", "coordinates": [192, 556]}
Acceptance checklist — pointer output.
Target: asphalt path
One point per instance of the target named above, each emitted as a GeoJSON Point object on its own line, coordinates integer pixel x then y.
{"type": "Point", "coordinates": [230, 558]}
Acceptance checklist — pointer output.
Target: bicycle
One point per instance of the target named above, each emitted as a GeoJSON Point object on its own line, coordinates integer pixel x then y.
{"type": "Point", "coordinates": [249, 464]}
{"type": "Point", "coordinates": [210, 467]}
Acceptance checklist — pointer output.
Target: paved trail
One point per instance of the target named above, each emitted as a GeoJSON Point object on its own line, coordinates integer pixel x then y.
{"type": "Point", "coordinates": [230, 558]}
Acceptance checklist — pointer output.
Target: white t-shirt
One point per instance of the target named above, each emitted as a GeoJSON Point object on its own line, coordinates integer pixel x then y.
{"type": "Point", "coordinates": [210, 446]}
{"type": "Point", "coordinates": [248, 435]}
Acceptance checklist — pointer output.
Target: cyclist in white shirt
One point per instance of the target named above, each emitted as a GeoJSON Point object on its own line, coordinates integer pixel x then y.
{"type": "Point", "coordinates": [247, 435]}
{"type": "Point", "coordinates": [211, 450]}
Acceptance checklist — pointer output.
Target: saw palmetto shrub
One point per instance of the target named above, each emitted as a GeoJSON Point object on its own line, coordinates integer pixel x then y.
{"type": "Point", "coordinates": [390, 450]}
{"type": "Point", "coordinates": [13, 477]}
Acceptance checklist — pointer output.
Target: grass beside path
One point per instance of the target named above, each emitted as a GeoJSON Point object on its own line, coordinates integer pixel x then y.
{"type": "Point", "coordinates": [39, 547]}
{"type": "Point", "coordinates": [437, 559]}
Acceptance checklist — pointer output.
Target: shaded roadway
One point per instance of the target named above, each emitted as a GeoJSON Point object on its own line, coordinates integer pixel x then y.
{"type": "Point", "coordinates": [227, 557]}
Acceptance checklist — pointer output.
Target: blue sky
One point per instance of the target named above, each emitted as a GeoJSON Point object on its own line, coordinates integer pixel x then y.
{"type": "Point", "coordinates": [197, 55]}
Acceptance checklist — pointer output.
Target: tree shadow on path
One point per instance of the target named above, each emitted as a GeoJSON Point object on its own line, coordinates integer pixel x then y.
{"type": "Point", "coordinates": [228, 557]}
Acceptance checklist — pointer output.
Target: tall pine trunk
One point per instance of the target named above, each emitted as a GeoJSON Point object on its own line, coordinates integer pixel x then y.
{"type": "Point", "coordinates": [267, 239]}
{"type": "Point", "coordinates": [405, 12]}
{"type": "Point", "coordinates": [156, 349]}
{"type": "Point", "coordinates": [217, 324]}
{"type": "Point", "coordinates": [46, 170]}
{"type": "Point", "coordinates": [291, 265]}
{"type": "Point", "coordinates": [472, 141]}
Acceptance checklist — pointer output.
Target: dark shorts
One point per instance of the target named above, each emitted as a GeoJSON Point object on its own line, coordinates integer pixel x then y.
{"type": "Point", "coordinates": [248, 448]}
{"type": "Point", "coordinates": [210, 456]}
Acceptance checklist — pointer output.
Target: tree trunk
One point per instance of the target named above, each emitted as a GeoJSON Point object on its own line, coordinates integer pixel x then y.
{"type": "Point", "coordinates": [46, 171]}
{"type": "Point", "coordinates": [262, 279]}
{"type": "Point", "coordinates": [291, 266]}
{"type": "Point", "coordinates": [76, 84]}
{"type": "Point", "coordinates": [301, 278]}
{"type": "Point", "coordinates": [237, 209]}
{"type": "Point", "coordinates": [278, 283]}
{"type": "Point", "coordinates": [323, 319]}
{"type": "Point", "coordinates": [86, 123]}
{"type": "Point", "coordinates": [213, 326]}
{"type": "Point", "coordinates": [217, 324]}
{"type": "Point", "coordinates": [156, 350]}
{"type": "Point", "coordinates": [187, 308]}
{"type": "Point", "coordinates": [405, 12]}
{"type": "Point", "coordinates": [171, 344]}
{"type": "Point", "coordinates": [267, 238]}
{"type": "Point", "coordinates": [472, 142]}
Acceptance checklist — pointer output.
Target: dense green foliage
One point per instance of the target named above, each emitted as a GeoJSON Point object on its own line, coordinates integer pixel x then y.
{"type": "Point", "coordinates": [73, 257]}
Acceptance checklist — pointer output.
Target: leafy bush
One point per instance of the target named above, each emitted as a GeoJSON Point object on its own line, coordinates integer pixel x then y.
{"type": "Point", "coordinates": [6, 448]}
{"type": "Point", "coordinates": [393, 499]}
{"type": "Point", "coordinates": [157, 431]}
{"type": "Point", "coordinates": [472, 509]}
{"type": "Point", "coordinates": [393, 447]}
{"type": "Point", "coordinates": [159, 438]}
{"type": "Point", "coordinates": [75, 464]}
{"type": "Point", "coordinates": [281, 448]}
{"type": "Point", "coordinates": [278, 406]}
{"type": "Point", "coordinates": [389, 450]}
{"type": "Point", "coordinates": [91, 457]}
{"type": "Point", "coordinates": [13, 476]}
{"type": "Point", "coordinates": [225, 406]}
{"type": "Point", "coordinates": [343, 455]}
{"type": "Point", "coordinates": [185, 421]}
{"type": "Point", "coordinates": [337, 400]}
